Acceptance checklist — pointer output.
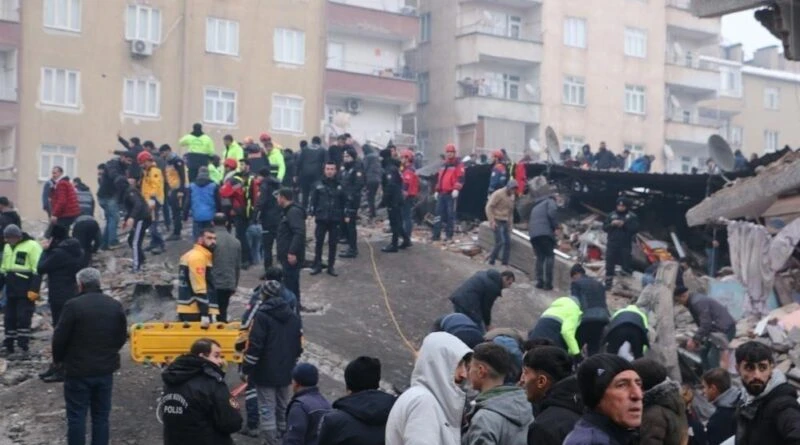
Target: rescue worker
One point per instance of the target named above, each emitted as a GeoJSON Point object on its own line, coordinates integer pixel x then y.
{"type": "Point", "coordinates": [476, 296]}
{"type": "Point", "coordinates": [137, 218]}
{"type": "Point", "coordinates": [559, 323]}
{"type": "Point", "coordinates": [277, 166]}
{"type": "Point", "coordinates": [175, 173]}
{"type": "Point", "coordinates": [310, 164]}
{"type": "Point", "coordinates": [232, 149]}
{"type": "Point", "coordinates": [592, 298]}
{"type": "Point", "coordinates": [199, 149]}
{"type": "Point", "coordinates": [449, 182]}
{"type": "Point", "coordinates": [521, 172]}
{"type": "Point", "coordinates": [235, 194]}
{"type": "Point", "coordinates": [410, 192]}
{"type": "Point", "coordinates": [202, 198]}
{"type": "Point", "coordinates": [628, 325]}
{"type": "Point", "coordinates": [326, 209]}
{"type": "Point", "coordinates": [197, 300]}
{"type": "Point", "coordinates": [499, 176]}
{"type": "Point", "coordinates": [268, 213]}
{"type": "Point", "coordinates": [621, 226]}
{"type": "Point", "coordinates": [215, 172]}
{"type": "Point", "coordinates": [197, 407]}
{"type": "Point", "coordinates": [392, 184]}
{"type": "Point", "coordinates": [153, 193]}
{"type": "Point", "coordinates": [352, 180]}
{"type": "Point", "coordinates": [21, 281]}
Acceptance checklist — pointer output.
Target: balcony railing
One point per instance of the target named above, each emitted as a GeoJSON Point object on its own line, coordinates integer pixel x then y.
{"type": "Point", "coordinates": [379, 5]}
{"type": "Point", "coordinates": [397, 72]}
{"type": "Point", "coordinates": [680, 4]}
{"type": "Point", "coordinates": [8, 94]}
{"type": "Point", "coordinates": [515, 91]}
{"type": "Point", "coordinates": [691, 60]}
{"type": "Point", "coordinates": [525, 33]}
{"type": "Point", "coordinates": [691, 117]}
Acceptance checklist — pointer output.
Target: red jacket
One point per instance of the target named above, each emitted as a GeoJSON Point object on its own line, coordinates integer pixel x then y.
{"type": "Point", "coordinates": [233, 195]}
{"type": "Point", "coordinates": [64, 200]}
{"type": "Point", "coordinates": [410, 182]}
{"type": "Point", "coordinates": [451, 176]}
{"type": "Point", "coordinates": [521, 176]}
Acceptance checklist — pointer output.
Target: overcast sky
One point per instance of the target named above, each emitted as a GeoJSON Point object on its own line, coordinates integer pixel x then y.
{"type": "Point", "coordinates": [743, 27]}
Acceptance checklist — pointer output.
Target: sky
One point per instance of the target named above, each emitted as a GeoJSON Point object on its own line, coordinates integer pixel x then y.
{"type": "Point", "coordinates": [743, 27]}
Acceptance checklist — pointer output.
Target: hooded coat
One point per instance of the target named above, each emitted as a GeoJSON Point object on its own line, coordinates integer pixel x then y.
{"type": "Point", "coordinates": [722, 424]}
{"type": "Point", "coordinates": [770, 417]}
{"type": "Point", "coordinates": [357, 419]}
{"type": "Point", "coordinates": [542, 221]}
{"type": "Point", "coordinates": [274, 344]}
{"type": "Point", "coordinates": [196, 406]}
{"type": "Point", "coordinates": [664, 417]}
{"type": "Point", "coordinates": [558, 413]}
{"type": "Point", "coordinates": [501, 416]}
{"type": "Point", "coordinates": [61, 262]}
{"type": "Point", "coordinates": [476, 296]}
{"type": "Point", "coordinates": [310, 163]}
{"type": "Point", "coordinates": [432, 409]}
{"type": "Point", "coordinates": [372, 165]}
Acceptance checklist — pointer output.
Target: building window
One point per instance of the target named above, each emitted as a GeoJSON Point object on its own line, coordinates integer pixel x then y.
{"type": "Point", "coordinates": [425, 27]}
{"type": "Point", "coordinates": [574, 91]}
{"type": "Point", "coordinates": [735, 135]}
{"type": "Point", "coordinates": [60, 87]}
{"type": "Point", "coordinates": [220, 106]}
{"type": "Point", "coordinates": [730, 81]}
{"type": "Point", "coordinates": [635, 99]}
{"type": "Point", "coordinates": [514, 27]}
{"type": "Point", "coordinates": [142, 97]}
{"type": "Point", "coordinates": [510, 87]}
{"type": "Point", "coordinates": [287, 113]}
{"type": "Point", "coordinates": [573, 144]}
{"type": "Point", "coordinates": [9, 10]}
{"type": "Point", "coordinates": [222, 36]}
{"type": "Point", "coordinates": [424, 87]}
{"type": "Point", "coordinates": [687, 162]}
{"type": "Point", "coordinates": [636, 150]}
{"type": "Point", "coordinates": [635, 42]}
{"type": "Point", "coordinates": [143, 23]}
{"type": "Point", "coordinates": [290, 46]}
{"type": "Point", "coordinates": [772, 98]}
{"type": "Point", "coordinates": [63, 14]}
{"type": "Point", "coordinates": [770, 141]}
{"type": "Point", "coordinates": [8, 75]}
{"type": "Point", "coordinates": [335, 55]}
{"type": "Point", "coordinates": [64, 156]}
{"type": "Point", "coordinates": [575, 32]}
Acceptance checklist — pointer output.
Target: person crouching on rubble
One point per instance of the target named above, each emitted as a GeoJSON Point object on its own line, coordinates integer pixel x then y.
{"type": "Point", "coordinates": [715, 327]}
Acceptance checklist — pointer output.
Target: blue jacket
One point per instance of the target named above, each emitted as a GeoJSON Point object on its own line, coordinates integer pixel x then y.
{"type": "Point", "coordinates": [499, 177]}
{"type": "Point", "coordinates": [640, 165]}
{"type": "Point", "coordinates": [462, 327]}
{"type": "Point", "coordinates": [304, 416]}
{"type": "Point", "coordinates": [596, 429]}
{"type": "Point", "coordinates": [203, 201]}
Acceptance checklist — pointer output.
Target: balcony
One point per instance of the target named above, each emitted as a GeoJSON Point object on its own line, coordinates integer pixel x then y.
{"type": "Point", "coordinates": [687, 129]}
{"type": "Point", "coordinates": [692, 73]}
{"type": "Point", "coordinates": [400, 25]}
{"type": "Point", "coordinates": [511, 3]}
{"type": "Point", "coordinates": [472, 104]}
{"type": "Point", "coordinates": [385, 86]}
{"type": "Point", "coordinates": [476, 45]}
{"type": "Point", "coordinates": [682, 21]}
{"type": "Point", "coordinates": [9, 10]}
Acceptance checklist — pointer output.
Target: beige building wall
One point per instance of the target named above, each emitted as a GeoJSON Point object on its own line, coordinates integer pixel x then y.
{"type": "Point", "coordinates": [181, 66]}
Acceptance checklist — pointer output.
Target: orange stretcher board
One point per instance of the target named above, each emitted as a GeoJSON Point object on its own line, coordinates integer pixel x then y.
{"type": "Point", "coordinates": [162, 342]}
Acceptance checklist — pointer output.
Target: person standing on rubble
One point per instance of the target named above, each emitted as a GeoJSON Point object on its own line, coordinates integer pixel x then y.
{"type": "Point", "coordinates": [199, 148]}
{"type": "Point", "coordinates": [476, 296]}
{"type": "Point", "coordinates": [203, 200]}
{"type": "Point", "coordinates": [153, 192]}
{"type": "Point", "coordinates": [542, 230]}
{"type": "Point", "coordinates": [290, 244]}
{"type": "Point", "coordinates": [499, 175]}
{"type": "Point", "coordinates": [592, 297]}
{"type": "Point", "coordinates": [448, 184]}
{"type": "Point", "coordinates": [197, 299]}
{"type": "Point", "coordinates": [392, 185]}
{"type": "Point", "coordinates": [715, 327]}
{"type": "Point", "coordinates": [87, 231]}
{"type": "Point", "coordinates": [500, 213]}
{"type": "Point", "coordinates": [621, 226]}
{"type": "Point", "coordinates": [137, 218]}
{"type": "Point", "coordinates": [64, 206]}
{"type": "Point", "coordinates": [18, 274]}
{"type": "Point", "coordinates": [352, 180]}
{"type": "Point", "coordinates": [175, 173]}
{"type": "Point", "coordinates": [410, 192]}
{"type": "Point", "coordinates": [325, 206]}
{"type": "Point", "coordinates": [227, 259]}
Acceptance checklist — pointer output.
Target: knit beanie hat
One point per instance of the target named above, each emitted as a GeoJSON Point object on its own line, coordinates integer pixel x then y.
{"type": "Point", "coordinates": [12, 231]}
{"type": "Point", "coordinates": [202, 172]}
{"type": "Point", "coordinates": [270, 289]}
{"type": "Point", "coordinates": [596, 373]}
{"type": "Point", "coordinates": [59, 232]}
{"type": "Point", "coordinates": [362, 374]}
{"type": "Point", "coordinates": [305, 374]}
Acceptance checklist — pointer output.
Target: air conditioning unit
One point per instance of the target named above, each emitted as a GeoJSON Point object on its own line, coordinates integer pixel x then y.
{"type": "Point", "coordinates": [353, 106]}
{"type": "Point", "coordinates": [141, 48]}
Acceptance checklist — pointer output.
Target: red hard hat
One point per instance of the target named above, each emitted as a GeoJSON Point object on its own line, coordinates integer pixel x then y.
{"type": "Point", "coordinates": [408, 154]}
{"type": "Point", "coordinates": [231, 163]}
{"type": "Point", "coordinates": [450, 148]}
{"type": "Point", "coordinates": [143, 157]}
{"type": "Point", "coordinates": [265, 137]}
{"type": "Point", "coordinates": [497, 154]}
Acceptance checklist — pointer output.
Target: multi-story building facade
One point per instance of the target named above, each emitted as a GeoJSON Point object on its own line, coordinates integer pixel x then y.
{"type": "Point", "coordinates": [370, 89]}
{"type": "Point", "coordinates": [10, 55]}
{"type": "Point", "coordinates": [153, 68]}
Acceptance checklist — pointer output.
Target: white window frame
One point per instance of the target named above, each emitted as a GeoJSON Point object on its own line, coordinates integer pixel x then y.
{"type": "Point", "coordinates": [278, 114]}
{"type": "Point", "coordinates": [636, 150]}
{"type": "Point", "coordinates": [9, 76]}
{"type": "Point", "coordinates": [573, 144]}
{"type": "Point", "coordinates": [424, 86]}
{"type": "Point", "coordinates": [687, 162]}
{"type": "Point", "coordinates": [574, 91]}
{"type": "Point", "coordinates": [511, 86]}
{"type": "Point", "coordinates": [66, 15]}
{"type": "Point", "coordinates": [636, 42]}
{"type": "Point", "coordinates": [146, 97]}
{"type": "Point", "coordinates": [216, 28]}
{"type": "Point", "coordinates": [213, 97]}
{"type": "Point", "coordinates": [143, 23]}
{"type": "Point", "coordinates": [514, 27]}
{"type": "Point", "coordinates": [730, 81]}
{"type": "Point", "coordinates": [771, 141]}
{"type": "Point", "coordinates": [9, 10]}
{"type": "Point", "coordinates": [64, 156]}
{"type": "Point", "coordinates": [772, 98]}
{"type": "Point", "coordinates": [425, 27]}
{"type": "Point", "coordinates": [635, 99]}
{"type": "Point", "coordinates": [289, 46]}
{"type": "Point", "coordinates": [575, 32]}
{"type": "Point", "coordinates": [53, 100]}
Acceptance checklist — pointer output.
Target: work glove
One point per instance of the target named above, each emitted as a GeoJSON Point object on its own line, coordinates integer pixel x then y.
{"type": "Point", "coordinates": [205, 321]}
{"type": "Point", "coordinates": [33, 296]}
{"type": "Point", "coordinates": [455, 194]}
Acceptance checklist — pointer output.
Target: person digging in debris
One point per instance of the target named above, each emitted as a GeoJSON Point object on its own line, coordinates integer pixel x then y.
{"type": "Point", "coordinates": [197, 407]}
{"type": "Point", "coordinates": [18, 274]}
{"type": "Point", "coordinates": [197, 299]}
{"type": "Point", "coordinates": [626, 333]}
{"type": "Point", "coordinates": [476, 296]}
{"type": "Point", "coordinates": [89, 235]}
{"type": "Point", "coordinates": [621, 226]}
{"type": "Point", "coordinates": [559, 323]}
{"type": "Point", "coordinates": [592, 297]}
{"type": "Point", "coordinates": [715, 327]}
{"type": "Point", "coordinates": [137, 218]}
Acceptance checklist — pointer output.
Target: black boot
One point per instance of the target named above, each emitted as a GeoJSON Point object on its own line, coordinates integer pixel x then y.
{"type": "Point", "coordinates": [406, 244]}
{"type": "Point", "coordinates": [391, 248]}
{"type": "Point", "coordinates": [316, 270]}
{"type": "Point", "coordinates": [350, 253]}
{"type": "Point", "coordinates": [56, 377]}
{"type": "Point", "coordinates": [50, 371]}
{"type": "Point", "coordinates": [332, 271]}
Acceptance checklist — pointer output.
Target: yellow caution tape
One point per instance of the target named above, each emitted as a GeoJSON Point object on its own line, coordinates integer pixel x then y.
{"type": "Point", "coordinates": [160, 342]}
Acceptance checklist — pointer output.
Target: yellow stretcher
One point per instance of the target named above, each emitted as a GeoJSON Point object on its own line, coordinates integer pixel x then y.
{"type": "Point", "coordinates": [160, 342]}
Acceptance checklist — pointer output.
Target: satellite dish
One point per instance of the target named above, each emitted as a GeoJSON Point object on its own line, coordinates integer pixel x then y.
{"type": "Point", "coordinates": [721, 153]}
{"type": "Point", "coordinates": [669, 153]}
{"type": "Point", "coordinates": [534, 146]}
{"type": "Point", "coordinates": [553, 147]}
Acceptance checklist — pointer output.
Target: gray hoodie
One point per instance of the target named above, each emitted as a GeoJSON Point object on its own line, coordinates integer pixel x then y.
{"type": "Point", "coordinates": [501, 415]}
{"type": "Point", "coordinates": [227, 260]}
{"type": "Point", "coordinates": [543, 220]}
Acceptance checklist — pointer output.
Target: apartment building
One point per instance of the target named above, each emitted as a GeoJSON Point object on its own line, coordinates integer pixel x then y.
{"type": "Point", "coordinates": [10, 49]}
{"type": "Point", "coordinates": [151, 69]}
{"type": "Point", "coordinates": [370, 89]}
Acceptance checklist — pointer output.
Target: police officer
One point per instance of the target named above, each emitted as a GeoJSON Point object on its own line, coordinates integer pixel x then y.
{"type": "Point", "coordinates": [352, 180]}
{"type": "Point", "coordinates": [326, 208]}
{"type": "Point", "coordinates": [392, 183]}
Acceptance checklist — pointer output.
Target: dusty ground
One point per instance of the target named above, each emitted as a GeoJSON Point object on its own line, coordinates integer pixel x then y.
{"type": "Point", "coordinates": [354, 319]}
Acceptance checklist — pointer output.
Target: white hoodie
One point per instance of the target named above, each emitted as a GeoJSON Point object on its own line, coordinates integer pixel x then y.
{"type": "Point", "coordinates": [431, 410]}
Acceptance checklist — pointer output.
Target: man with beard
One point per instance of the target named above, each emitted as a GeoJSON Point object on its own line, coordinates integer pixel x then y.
{"type": "Point", "coordinates": [352, 180]}
{"type": "Point", "coordinates": [197, 300]}
{"type": "Point", "coordinates": [326, 208]}
{"type": "Point", "coordinates": [770, 412]}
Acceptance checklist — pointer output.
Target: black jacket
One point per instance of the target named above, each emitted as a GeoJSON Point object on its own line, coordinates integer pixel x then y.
{"type": "Point", "coordinates": [268, 211]}
{"type": "Point", "coordinates": [134, 204]}
{"type": "Point", "coordinates": [291, 238]}
{"type": "Point", "coordinates": [7, 218]}
{"type": "Point", "coordinates": [558, 414]}
{"type": "Point", "coordinates": [372, 166]}
{"type": "Point", "coordinates": [709, 315]}
{"type": "Point", "coordinates": [105, 182]}
{"type": "Point", "coordinates": [87, 231]}
{"type": "Point", "coordinates": [310, 163]}
{"type": "Point", "coordinates": [352, 180]}
{"type": "Point", "coordinates": [196, 406]}
{"type": "Point", "coordinates": [773, 417]}
{"type": "Point", "coordinates": [290, 164]}
{"type": "Point", "coordinates": [357, 419]}
{"type": "Point", "coordinates": [85, 199]}
{"type": "Point", "coordinates": [327, 200]}
{"type": "Point", "coordinates": [91, 331]}
{"type": "Point", "coordinates": [591, 295]}
{"type": "Point", "coordinates": [60, 262]}
{"type": "Point", "coordinates": [621, 237]}
{"type": "Point", "coordinates": [476, 296]}
{"type": "Point", "coordinates": [273, 345]}
{"type": "Point", "coordinates": [605, 160]}
{"type": "Point", "coordinates": [392, 184]}
{"type": "Point", "coordinates": [722, 424]}
{"type": "Point", "coordinates": [336, 155]}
